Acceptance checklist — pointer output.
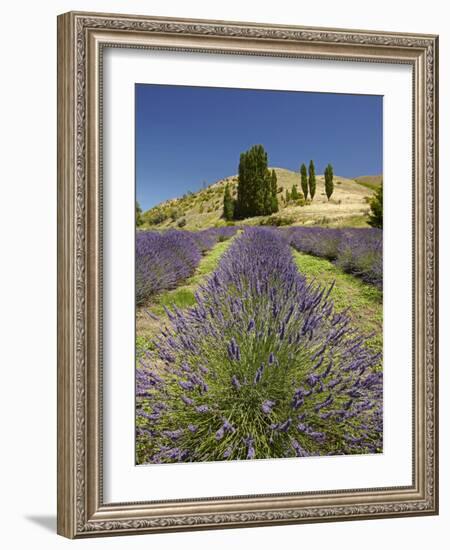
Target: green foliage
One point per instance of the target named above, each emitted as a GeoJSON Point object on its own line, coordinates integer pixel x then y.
{"type": "Point", "coordinates": [312, 180]}
{"type": "Point", "coordinates": [376, 208]}
{"type": "Point", "coordinates": [329, 185]}
{"type": "Point", "coordinates": [288, 196]}
{"type": "Point", "coordinates": [228, 204]}
{"type": "Point", "coordinates": [294, 193]}
{"type": "Point", "coordinates": [155, 216]}
{"type": "Point", "coordinates": [174, 214]}
{"type": "Point", "coordinates": [139, 220]}
{"type": "Point", "coordinates": [257, 187]}
{"type": "Point", "coordinates": [181, 222]}
{"type": "Point", "coordinates": [304, 180]}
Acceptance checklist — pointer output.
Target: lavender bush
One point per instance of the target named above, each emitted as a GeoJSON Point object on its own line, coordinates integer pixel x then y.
{"type": "Point", "coordinates": [207, 238]}
{"type": "Point", "coordinates": [261, 367]}
{"type": "Point", "coordinates": [163, 260]}
{"type": "Point", "coordinates": [358, 251]}
{"type": "Point", "coordinates": [318, 241]}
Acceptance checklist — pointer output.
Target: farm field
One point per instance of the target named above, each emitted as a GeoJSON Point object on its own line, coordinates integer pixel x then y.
{"type": "Point", "coordinates": [258, 342]}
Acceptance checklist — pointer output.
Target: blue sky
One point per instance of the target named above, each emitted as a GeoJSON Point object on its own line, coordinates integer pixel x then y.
{"type": "Point", "coordinates": [187, 137]}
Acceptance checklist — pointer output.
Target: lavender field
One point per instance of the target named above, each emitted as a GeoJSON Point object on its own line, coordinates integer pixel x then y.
{"type": "Point", "coordinates": [277, 353]}
{"type": "Point", "coordinates": [358, 251]}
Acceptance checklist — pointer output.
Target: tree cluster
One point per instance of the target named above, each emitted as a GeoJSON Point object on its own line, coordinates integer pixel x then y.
{"type": "Point", "coordinates": [257, 186]}
{"type": "Point", "coordinates": [256, 190]}
{"type": "Point", "coordinates": [308, 180]}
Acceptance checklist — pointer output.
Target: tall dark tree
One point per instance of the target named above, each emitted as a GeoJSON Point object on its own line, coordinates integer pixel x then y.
{"type": "Point", "coordinates": [273, 189]}
{"type": "Point", "coordinates": [329, 184]}
{"type": "Point", "coordinates": [255, 188]}
{"type": "Point", "coordinates": [294, 193]}
{"type": "Point", "coordinates": [228, 204]}
{"type": "Point", "coordinates": [376, 208]}
{"type": "Point", "coordinates": [288, 195]}
{"type": "Point", "coordinates": [304, 180]}
{"type": "Point", "coordinates": [139, 220]}
{"type": "Point", "coordinates": [312, 180]}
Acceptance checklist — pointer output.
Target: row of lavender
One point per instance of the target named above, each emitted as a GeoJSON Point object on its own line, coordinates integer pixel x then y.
{"type": "Point", "coordinates": [163, 260]}
{"type": "Point", "coordinates": [261, 367]}
{"type": "Point", "coordinates": [358, 251]}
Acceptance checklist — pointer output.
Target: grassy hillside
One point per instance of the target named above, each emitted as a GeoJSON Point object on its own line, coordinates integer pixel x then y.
{"type": "Point", "coordinates": [371, 182]}
{"type": "Point", "coordinates": [348, 205]}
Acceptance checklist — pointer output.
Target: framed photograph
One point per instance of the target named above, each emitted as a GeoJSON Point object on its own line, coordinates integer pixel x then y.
{"type": "Point", "coordinates": [247, 276]}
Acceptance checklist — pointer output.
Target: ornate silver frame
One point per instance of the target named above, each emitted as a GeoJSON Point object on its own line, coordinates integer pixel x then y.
{"type": "Point", "coordinates": [81, 38]}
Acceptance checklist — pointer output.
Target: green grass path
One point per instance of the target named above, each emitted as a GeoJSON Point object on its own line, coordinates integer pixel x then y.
{"type": "Point", "coordinates": [364, 300]}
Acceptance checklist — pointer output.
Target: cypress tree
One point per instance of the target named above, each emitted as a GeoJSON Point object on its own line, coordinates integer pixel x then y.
{"type": "Point", "coordinates": [274, 189]}
{"type": "Point", "coordinates": [329, 185]}
{"type": "Point", "coordinates": [312, 180]}
{"type": "Point", "coordinates": [288, 196]}
{"type": "Point", "coordinates": [228, 206]}
{"type": "Point", "coordinates": [294, 193]}
{"type": "Point", "coordinates": [304, 180]}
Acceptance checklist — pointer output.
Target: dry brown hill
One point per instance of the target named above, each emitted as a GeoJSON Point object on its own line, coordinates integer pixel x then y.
{"type": "Point", "coordinates": [347, 206]}
{"type": "Point", "coordinates": [371, 182]}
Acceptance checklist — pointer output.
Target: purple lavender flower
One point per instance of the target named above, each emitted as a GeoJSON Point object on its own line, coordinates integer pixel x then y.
{"type": "Point", "coordinates": [267, 406]}
{"type": "Point", "coordinates": [235, 382]}
{"type": "Point", "coordinates": [186, 385]}
{"type": "Point", "coordinates": [299, 450]}
{"type": "Point", "coordinates": [250, 448]}
{"type": "Point", "coordinates": [227, 452]}
{"type": "Point", "coordinates": [174, 434]}
{"type": "Point", "coordinates": [312, 380]}
{"type": "Point", "coordinates": [234, 352]}
{"type": "Point", "coordinates": [258, 374]}
{"type": "Point", "coordinates": [226, 427]}
{"type": "Point", "coordinates": [284, 426]}
{"type": "Point", "coordinates": [187, 400]}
